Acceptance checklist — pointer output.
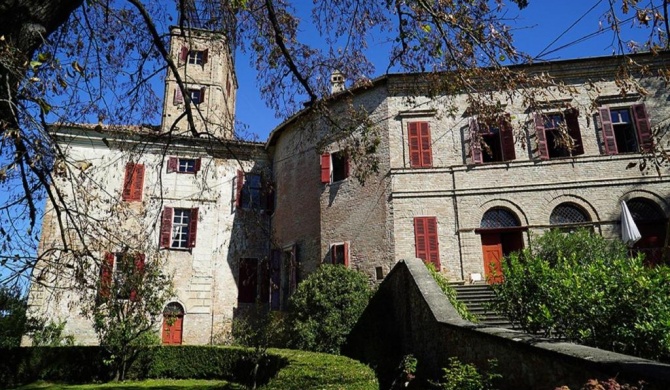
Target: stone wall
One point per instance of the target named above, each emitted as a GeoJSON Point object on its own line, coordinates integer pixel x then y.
{"type": "Point", "coordinates": [409, 314]}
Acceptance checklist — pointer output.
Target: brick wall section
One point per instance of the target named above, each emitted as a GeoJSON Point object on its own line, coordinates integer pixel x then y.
{"type": "Point", "coordinates": [409, 314]}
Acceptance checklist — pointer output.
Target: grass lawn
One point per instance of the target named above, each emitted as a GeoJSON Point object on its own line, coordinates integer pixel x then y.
{"type": "Point", "coordinates": [166, 384]}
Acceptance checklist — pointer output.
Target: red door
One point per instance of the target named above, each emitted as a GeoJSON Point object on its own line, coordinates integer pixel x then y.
{"type": "Point", "coordinates": [493, 253]}
{"type": "Point", "coordinates": [172, 329]}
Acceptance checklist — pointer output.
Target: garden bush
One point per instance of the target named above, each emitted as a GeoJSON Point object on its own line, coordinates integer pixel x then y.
{"type": "Point", "coordinates": [326, 306]}
{"type": "Point", "coordinates": [584, 288]}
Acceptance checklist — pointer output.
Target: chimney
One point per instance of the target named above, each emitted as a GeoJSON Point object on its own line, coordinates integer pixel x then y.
{"type": "Point", "coordinates": [336, 82]}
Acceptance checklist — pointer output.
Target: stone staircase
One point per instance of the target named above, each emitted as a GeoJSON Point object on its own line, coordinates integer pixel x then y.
{"type": "Point", "coordinates": [476, 297]}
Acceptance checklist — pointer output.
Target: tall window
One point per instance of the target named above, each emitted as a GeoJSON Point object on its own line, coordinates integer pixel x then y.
{"type": "Point", "coordinates": [133, 182]}
{"type": "Point", "coordinates": [558, 134]}
{"type": "Point", "coordinates": [334, 167]}
{"type": "Point", "coordinates": [420, 145]}
{"type": "Point", "coordinates": [492, 142]}
{"type": "Point", "coordinates": [625, 129]}
{"type": "Point", "coordinates": [121, 275]}
{"type": "Point", "coordinates": [426, 240]}
{"type": "Point", "coordinates": [178, 228]}
{"type": "Point", "coordinates": [339, 253]}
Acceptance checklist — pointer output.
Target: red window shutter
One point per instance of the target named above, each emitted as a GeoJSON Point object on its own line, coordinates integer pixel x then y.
{"type": "Point", "coordinates": [609, 139]}
{"type": "Point", "coordinates": [475, 145]}
{"type": "Point", "coordinates": [643, 127]}
{"type": "Point", "coordinates": [183, 54]}
{"type": "Point", "coordinates": [426, 149]}
{"type": "Point", "coordinates": [426, 240]}
{"type": "Point", "coordinates": [572, 123]}
{"type": "Point", "coordinates": [507, 138]}
{"type": "Point", "coordinates": [137, 182]}
{"type": "Point", "coordinates": [198, 163]}
{"type": "Point", "coordinates": [205, 56]}
{"type": "Point", "coordinates": [542, 147]}
{"type": "Point", "coordinates": [138, 276]}
{"type": "Point", "coordinates": [239, 183]}
{"type": "Point", "coordinates": [193, 228]}
{"type": "Point", "coordinates": [178, 97]}
{"type": "Point", "coordinates": [325, 168]}
{"type": "Point", "coordinates": [346, 254]}
{"type": "Point", "coordinates": [414, 139]}
{"type": "Point", "coordinates": [127, 193]}
{"type": "Point", "coordinates": [166, 227]}
{"type": "Point", "coordinates": [106, 272]}
{"type": "Point", "coordinates": [173, 164]}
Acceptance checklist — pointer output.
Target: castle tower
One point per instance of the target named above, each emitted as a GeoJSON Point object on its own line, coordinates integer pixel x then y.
{"type": "Point", "coordinates": [205, 62]}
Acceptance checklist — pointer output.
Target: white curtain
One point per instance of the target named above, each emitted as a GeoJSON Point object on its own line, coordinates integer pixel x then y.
{"type": "Point", "coordinates": [629, 232]}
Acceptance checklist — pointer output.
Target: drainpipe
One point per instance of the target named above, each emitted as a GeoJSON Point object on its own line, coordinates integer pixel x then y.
{"type": "Point", "coordinates": [456, 221]}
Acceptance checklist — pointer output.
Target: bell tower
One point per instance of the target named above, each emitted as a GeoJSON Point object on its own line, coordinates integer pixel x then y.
{"type": "Point", "coordinates": [202, 52]}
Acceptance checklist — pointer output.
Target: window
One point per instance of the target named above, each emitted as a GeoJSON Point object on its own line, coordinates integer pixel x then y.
{"type": "Point", "coordinates": [558, 134]}
{"type": "Point", "coordinates": [426, 241]}
{"type": "Point", "coordinates": [194, 57]}
{"type": "Point", "coordinates": [183, 165]}
{"type": "Point", "coordinates": [499, 218]}
{"type": "Point", "coordinates": [420, 152]}
{"type": "Point", "coordinates": [339, 254]}
{"type": "Point", "coordinates": [178, 228]}
{"type": "Point", "coordinates": [133, 182]}
{"type": "Point", "coordinates": [247, 282]}
{"type": "Point", "coordinates": [195, 95]}
{"type": "Point", "coordinates": [334, 167]}
{"type": "Point", "coordinates": [283, 279]}
{"type": "Point", "coordinates": [249, 191]}
{"type": "Point", "coordinates": [625, 129]}
{"type": "Point", "coordinates": [121, 275]}
{"type": "Point", "coordinates": [379, 273]}
{"type": "Point", "coordinates": [568, 214]}
{"type": "Point", "coordinates": [493, 142]}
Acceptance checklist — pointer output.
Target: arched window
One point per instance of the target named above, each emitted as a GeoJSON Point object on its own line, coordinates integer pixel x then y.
{"type": "Point", "coordinates": [499, 218]}
{"type": "Point", "coordinates": [652, 224]}
{"type": "Point", "coordinates": [173, 323]}
{"type": "Point", "coordinates": [568, 213]}
{"type": "Point", "coordinates": [644, 210]}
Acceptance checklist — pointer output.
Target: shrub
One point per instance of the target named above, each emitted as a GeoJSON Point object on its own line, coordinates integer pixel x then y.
{"type": "Point", "coordinates": [587, 289]}
{"type": "Point", "coordinates": [460, 376]}
{"type": "Point", "coordinates": [326, 306]}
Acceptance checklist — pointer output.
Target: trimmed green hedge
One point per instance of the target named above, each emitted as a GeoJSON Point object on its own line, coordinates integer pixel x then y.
{"type": "Point", "coordinates": [282, 369]}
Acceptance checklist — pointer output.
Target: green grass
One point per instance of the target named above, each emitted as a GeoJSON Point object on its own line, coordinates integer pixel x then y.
{"type": "Point", "coordinates": [164, 384]}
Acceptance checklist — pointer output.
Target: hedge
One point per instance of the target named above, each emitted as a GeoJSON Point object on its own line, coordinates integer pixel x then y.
{"type": "Point", "coordinates": [282, 369]}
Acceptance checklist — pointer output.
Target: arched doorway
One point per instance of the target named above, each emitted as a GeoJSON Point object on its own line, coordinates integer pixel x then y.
{"type": "Point", "coordinates": [173, 323]}
{"type": "Point", "coordinates": [501, 235]}
{"type": "Point", "coordinates": [652, 224]}
{"type": "Point", "coordinates": [568, 217]}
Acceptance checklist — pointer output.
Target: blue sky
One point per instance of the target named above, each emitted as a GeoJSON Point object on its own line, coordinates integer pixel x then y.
{"type": "Point", "coordinates": [570, 27]}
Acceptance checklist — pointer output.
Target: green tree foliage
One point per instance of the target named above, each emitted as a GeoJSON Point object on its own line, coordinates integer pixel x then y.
{"type": "Point", "coordinates": [12, 317]}
{"type": "Point", "coordinates": [450, 292]}
{"type": "Point", "coordinates": [462, 376]}
{"type": "Point", "coordinates": [587, 289]}
{"type": "Point", "coordinates": [326, 306]}
{"type": "Point", "coordinates": [127, 311]}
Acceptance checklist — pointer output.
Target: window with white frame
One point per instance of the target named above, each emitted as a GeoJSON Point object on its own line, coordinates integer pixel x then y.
{"type": "Point", "coordinates": [180, 228]}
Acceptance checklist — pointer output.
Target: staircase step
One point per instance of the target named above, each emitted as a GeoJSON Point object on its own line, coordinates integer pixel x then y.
{"type": "Point", "coordinates": [477, 298]}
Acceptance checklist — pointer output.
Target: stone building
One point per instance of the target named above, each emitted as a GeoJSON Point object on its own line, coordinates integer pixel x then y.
{"type": "Point", "coordinates": [237, 221]}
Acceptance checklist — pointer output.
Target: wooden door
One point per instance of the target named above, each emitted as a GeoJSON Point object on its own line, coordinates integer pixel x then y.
{"type": "Point", "coordinates": [493, 254]}
{"type": "Point", "coordinates": [172, 329]}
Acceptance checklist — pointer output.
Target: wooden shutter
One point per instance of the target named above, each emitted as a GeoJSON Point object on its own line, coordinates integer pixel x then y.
{"type": "Point", "coordinates": [192, 227]}
{"type": "Point", "coordinates": [198, 163]}
{"type": "Point", "coordinates": [183, 54]}
{"type": "Point", "coordinates": [275, 279]}
{"type": "Point", "coordinates": [166, 227]}
{"type": "Point", "coordinates": [426, 240]}
{"type": "Point", "coordinates": [173, 164]}
{"type": "Point", "coordinates": [346, 254]}
{"type": "Point", "coordinates": [202, 94]}
{"type": "Point", "coordinates": [507, 138]}
{"type": "Point", "coordinates": [128, 182]}
{"type": "Point", "coordinates": [572, 123]}
{"type": "Point", "coordinates": [247, 282]}
{"type": "Point", "coordinates": [643, 127]}
{"type": "Point", "coordinates": [205, 56]}
{"type": "Point", "coordinates": [606, 126]}
{"type": "Point", "coordinates": [475, 145]}
{"type": "Point", "coordinates": [542, 148]}
{"type": "Point", "coordinates": [178, 97]}
{"type": "Point", "coordinates": [106, 273]}
{"type": "Point", "coordinates": [239, 183]}
{"type": "Point", "coordinates": [325, 168]}
{"type": "Point", "coordinates": [414, 139]}
{"type": "Point", "coordinates": [426, 149]}
{"type": "Point", "coordinates": [137, 276]}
